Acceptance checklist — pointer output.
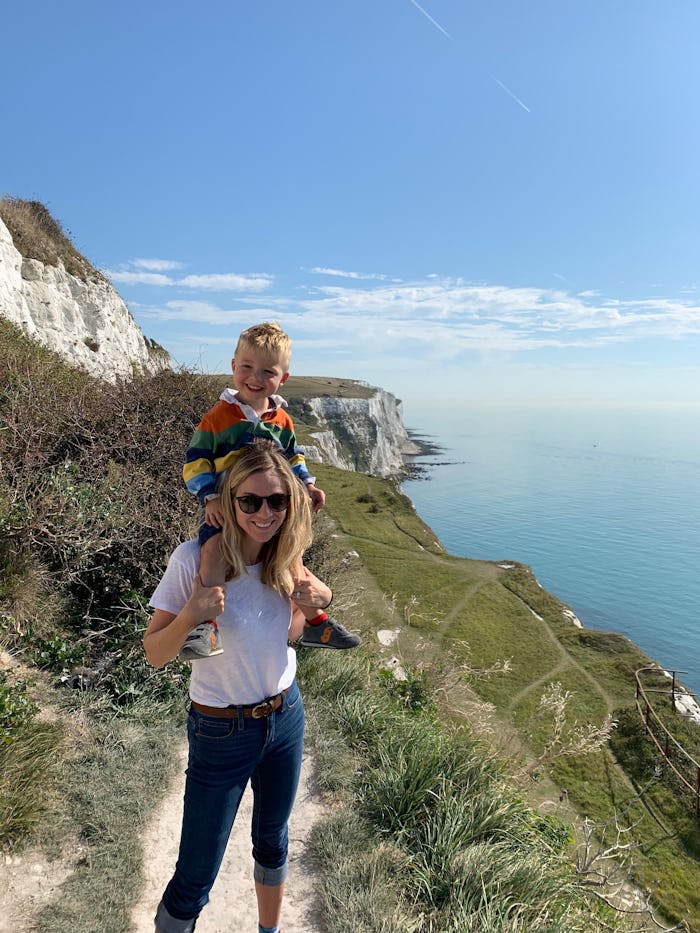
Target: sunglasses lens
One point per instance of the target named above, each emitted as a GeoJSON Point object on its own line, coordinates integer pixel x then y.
{"type": "Point", "coordinates": [251, 503]}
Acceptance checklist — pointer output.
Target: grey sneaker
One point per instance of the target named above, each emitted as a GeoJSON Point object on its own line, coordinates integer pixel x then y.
{"type": "Point", "coordinates": [203, 641]}
{"type": "Point", "coordinates": [328, 634]}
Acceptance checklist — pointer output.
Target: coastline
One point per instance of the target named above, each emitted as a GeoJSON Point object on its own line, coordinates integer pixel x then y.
{"type": "Point", "coordinates": [427, 447]}
{"type": "Point", "coordinates": [686, 702]}
{"type": "Point", "coordinates": [601, 516]}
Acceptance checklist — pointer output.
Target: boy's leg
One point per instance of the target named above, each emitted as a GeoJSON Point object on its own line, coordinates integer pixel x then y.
{"type": "Point", "coordinates": [212, 564]}
{"type": "Point", "coordinates": [204, 641]}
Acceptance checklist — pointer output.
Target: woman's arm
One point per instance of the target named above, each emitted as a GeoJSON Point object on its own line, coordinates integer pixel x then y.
{"type": "Point", "coordinates": [296, 626]}
{"type": "Point", "coordinates": [166, 633]}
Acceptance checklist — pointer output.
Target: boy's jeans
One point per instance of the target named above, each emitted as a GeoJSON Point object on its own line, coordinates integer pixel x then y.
{"type": "Point", "coordinates": [224, 755]}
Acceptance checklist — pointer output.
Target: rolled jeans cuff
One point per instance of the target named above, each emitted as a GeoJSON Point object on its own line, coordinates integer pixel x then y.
{"type": "Point", "coordinates": [166, 923]}
{"type": "Point", "coordinates": [269, 877]}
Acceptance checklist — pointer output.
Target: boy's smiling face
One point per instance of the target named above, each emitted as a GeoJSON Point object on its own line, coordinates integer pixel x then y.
{"type": "Point", "coordinates": [257, 375]}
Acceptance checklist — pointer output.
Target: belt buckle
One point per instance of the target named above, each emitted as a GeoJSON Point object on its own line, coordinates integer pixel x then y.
{"type": "Point", "coordinates": [261, 710]}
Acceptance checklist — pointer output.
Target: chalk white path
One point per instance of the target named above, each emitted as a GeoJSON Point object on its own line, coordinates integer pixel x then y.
{"type": "Point", "coordinates": [231, 907]}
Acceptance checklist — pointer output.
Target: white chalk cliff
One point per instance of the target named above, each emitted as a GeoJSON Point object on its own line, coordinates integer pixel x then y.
{"type": "Point", "coordinates": [85, 322]}
{"type": "Point", "coordinates": [364, 434]}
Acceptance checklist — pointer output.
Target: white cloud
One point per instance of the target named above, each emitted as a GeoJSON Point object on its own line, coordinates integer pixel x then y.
{"type": "Point", "coordinates": [344, 274]}
{"type": "Point", "coordinates": [201, 312]}
{"type": "Point", "coordinates": [152, 272]}
{"type": "Point", "coordinates": [125, 277]}
{"type": "Point", "coordinates": [435, 321]}
{"type": "Point", "coordinates": [156, 265]}
{"type": "Point", "coordinates": [530, 316]}
{"type": "Point", "coordinates": [228, 281]}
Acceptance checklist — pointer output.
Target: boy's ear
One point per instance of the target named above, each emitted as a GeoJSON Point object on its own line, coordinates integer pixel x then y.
{"type": "Point", "coordinates": [284, 379]}
{"type": "Point", "coordinates": [233, 365]}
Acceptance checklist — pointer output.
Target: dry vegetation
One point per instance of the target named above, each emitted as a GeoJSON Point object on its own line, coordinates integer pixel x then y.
{"type": "Point", "coordinates": [37, 235]}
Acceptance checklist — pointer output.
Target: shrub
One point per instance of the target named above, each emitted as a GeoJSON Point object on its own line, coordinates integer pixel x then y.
{"type": "Point", "coordinates": [91, 496]}
{"type": "Point", "coordinates": [56, 653]}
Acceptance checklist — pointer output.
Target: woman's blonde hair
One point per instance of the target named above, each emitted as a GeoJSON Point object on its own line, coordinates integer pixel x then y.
{"type": "Point", "coordinates": [282, 554]}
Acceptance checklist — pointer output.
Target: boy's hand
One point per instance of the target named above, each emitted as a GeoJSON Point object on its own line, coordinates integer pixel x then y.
{"type": "Point", "coordinates": [318, 497]}
{"type": "Point", "coordinates": [213, 513]}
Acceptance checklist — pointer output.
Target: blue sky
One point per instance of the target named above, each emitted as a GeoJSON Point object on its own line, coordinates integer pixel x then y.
{"type": "Point", "coordinates": [494, 201]}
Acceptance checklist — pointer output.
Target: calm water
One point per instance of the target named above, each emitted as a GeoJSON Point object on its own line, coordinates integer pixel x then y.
{"type": "Point", "coordinates": [604, 506]}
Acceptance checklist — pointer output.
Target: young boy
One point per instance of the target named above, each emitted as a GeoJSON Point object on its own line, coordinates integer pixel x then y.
{"type": "Point", "coordinates": [260, 366]}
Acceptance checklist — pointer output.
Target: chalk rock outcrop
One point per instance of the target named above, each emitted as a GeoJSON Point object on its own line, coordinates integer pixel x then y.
{"type": "Point", "coordinates": [85, 322]}
{"type": "Point", "coordinates": [363, 434]}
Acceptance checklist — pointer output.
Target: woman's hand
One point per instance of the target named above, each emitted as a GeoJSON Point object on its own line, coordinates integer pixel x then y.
{"type": "Point", "coordinates": [166, 633]}
{"type": "Point", "coordinates": [309, 591]}
{"type": "Point", "coordinates": [206, 602]}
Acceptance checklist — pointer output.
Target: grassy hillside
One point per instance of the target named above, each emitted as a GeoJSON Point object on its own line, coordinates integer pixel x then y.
{"type": "Point", "coordinates": [457, 790]}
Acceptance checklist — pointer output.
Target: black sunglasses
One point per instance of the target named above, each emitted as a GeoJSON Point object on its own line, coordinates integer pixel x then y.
{"type": "Point", "coordinates": [278, 502]}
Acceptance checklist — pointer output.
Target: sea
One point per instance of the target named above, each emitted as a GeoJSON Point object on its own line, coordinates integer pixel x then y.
{"type": "Point", "coordinates": [602, 504]}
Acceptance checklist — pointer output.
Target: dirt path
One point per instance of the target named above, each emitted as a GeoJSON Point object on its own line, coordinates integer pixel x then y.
{"type": "Point", "coordinates": [566, 661]}
{"type": "Point", "coordinates": [232, 901]}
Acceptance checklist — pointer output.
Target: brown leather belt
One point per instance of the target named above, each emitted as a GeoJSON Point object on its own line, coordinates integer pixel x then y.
{"type": "Point", "coordinates": [254, 711]}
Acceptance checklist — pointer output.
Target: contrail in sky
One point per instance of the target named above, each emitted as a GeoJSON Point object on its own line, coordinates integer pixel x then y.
{"type": "Point", "coordinates": [429, 17]}
{"type": "Point", "coordinates": [509, 93]}
{"type": "Point", "coordinates": [446, 33]}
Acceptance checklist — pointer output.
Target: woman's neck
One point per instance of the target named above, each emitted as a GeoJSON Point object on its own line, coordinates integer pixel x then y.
{"type": "Point", "coordinates": [251, 554]}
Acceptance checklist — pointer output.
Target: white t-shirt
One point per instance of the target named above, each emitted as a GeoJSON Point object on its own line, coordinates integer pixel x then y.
{"type": "Point", "coordinates": [257, 662]}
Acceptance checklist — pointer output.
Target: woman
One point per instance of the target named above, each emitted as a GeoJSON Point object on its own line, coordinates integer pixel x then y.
{"type": "Point", "coordinates": [246, 721]}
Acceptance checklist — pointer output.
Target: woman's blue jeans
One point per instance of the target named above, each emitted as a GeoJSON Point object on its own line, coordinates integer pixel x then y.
{"type": "Point", "coordinates": [224, 754]}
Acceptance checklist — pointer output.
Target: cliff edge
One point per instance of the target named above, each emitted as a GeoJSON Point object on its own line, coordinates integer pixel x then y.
{"type": "Point", "coordinates": [369, 430]}
{"type": "Point", "coordinates": [77, 313]}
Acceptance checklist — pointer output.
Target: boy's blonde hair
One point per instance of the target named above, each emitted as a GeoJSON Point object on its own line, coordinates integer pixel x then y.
{"type": "Point", "coordinates": [281, 556]}
{"type": "Point", "coordinates": [268, 338]}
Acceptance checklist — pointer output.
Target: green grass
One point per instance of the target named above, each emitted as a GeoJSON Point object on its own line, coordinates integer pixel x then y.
{"type": "Point", "coordinates": [27, 769]}
{"type": "Point", "coordinates": [428, 834]}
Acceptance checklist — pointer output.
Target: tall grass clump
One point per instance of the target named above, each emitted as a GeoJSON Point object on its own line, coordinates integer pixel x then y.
{"type": "Point", "coordinates": [442, 838]}
{"type": "Point", "coordinates": [27, 760]}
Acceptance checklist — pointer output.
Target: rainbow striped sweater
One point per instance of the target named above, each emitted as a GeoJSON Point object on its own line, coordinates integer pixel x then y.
{"type": "Point", "coordinates": [225, 430]}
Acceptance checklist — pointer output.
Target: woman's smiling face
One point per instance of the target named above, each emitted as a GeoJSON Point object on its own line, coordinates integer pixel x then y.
{"type": "Point", "coordinates": [261, 526]}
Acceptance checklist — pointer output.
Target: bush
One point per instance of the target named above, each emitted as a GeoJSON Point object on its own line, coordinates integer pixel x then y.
{"type": "Point", "coordinates": [91, 495]}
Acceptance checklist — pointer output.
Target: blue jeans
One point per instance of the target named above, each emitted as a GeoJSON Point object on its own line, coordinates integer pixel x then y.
{"type": "Point", "coordinates": [224, 755]}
